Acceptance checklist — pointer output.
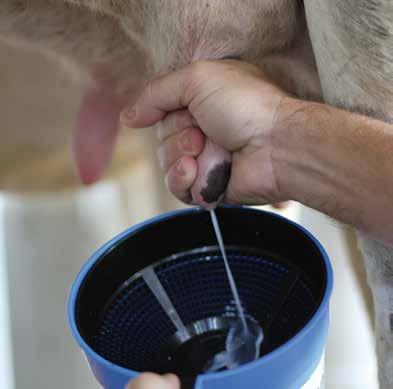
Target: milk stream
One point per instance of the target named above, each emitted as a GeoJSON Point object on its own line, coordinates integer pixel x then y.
{"type": "Point", "coordinates": [248, 347]}
{"type": "Point", "coordinates": [228, 270]}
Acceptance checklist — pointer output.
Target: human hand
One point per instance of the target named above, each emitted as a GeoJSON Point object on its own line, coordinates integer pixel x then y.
{"type": "Point", "coordinates": [282, 205]}
{"type": "Point", "coordinates": [211, 113]}
{"type": "Point", "coordinates": [154, 381]}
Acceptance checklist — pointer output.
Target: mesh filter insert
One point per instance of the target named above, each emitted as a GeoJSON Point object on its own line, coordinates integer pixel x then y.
{"type": "Point", "coordinates": [134, 331]}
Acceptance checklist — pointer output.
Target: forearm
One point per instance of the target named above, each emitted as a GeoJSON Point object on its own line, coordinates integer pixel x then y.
{"type": "Point", "coordinates": [338, 163]}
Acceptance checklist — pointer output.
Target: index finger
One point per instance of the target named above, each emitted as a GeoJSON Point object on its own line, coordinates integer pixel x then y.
{"type": "Point", "coordinates": [164, 94]}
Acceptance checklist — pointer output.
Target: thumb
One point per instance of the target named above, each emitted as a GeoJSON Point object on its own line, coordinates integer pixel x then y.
{"type": "Point", "coordinates": [154, 381]}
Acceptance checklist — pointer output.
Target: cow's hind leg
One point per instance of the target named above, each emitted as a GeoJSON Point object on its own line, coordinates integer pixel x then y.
{"type": "Point", "coordinates": [379, 264]}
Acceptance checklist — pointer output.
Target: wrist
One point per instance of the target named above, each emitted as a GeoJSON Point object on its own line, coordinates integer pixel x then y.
{"type": "Point", "coordinates": [288, 140]}
{"type": "Point", "coordinates": [310, 163]}
{"type": "Point", "coordinates": [336, 162]}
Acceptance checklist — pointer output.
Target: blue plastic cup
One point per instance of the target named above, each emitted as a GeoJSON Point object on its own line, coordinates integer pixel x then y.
{"type": "Point", "coordinates": [284, 279]}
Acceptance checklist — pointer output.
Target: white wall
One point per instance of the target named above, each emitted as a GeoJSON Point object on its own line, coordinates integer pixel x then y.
{"type": "Point", "coordinates": [46, 240]}
{"type": "Point", "coordinates": [6, 359]}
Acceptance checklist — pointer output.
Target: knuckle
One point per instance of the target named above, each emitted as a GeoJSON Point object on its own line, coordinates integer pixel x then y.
{"type": "Point", "coordinates": [174, 122]}
{"type": "Point", "coordinates": [197, 69]}
{"type": "Point", "coordinates": [196, 76]}
{"type": "Point", "coordinates": [180, 120]}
